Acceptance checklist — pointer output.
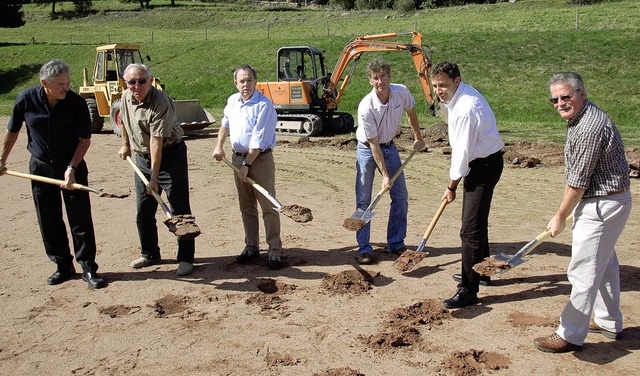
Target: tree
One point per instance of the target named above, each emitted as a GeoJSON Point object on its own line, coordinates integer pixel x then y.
{"type": "Point", "coordinates": [11, 14]}
{"type": "Point", "coordinates": [80, 6]}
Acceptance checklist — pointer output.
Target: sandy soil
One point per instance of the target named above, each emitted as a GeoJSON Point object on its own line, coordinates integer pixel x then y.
{"type": "Point", "coordinates": [321, 315]}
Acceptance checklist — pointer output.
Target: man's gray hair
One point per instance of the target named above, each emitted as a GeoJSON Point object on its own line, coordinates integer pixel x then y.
{"type": "Point", "coordinates": [378, 65]}
{"type": "Point", "coordinates": [571, 79]}
{"type": "Point", "coordinates": [138, 67]}
{"type": "Point", "coordinates": [52, 69]}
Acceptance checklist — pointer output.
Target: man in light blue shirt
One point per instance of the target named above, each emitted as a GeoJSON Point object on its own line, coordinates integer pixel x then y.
{"type": "Point", "coordinates": [250, 123]}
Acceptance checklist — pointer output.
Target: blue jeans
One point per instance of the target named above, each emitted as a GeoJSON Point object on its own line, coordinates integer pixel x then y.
{"type": "Point", "coordinates": [365, 172]}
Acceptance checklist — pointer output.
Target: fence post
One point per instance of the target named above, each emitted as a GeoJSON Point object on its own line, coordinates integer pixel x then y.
{"type": "Point", "coordinates": [268, 29]}
{"type": "Point", "coordinates": [327, 27]}
{"type": "Point", "coordinates": [151, 36]}
{"type": "Point", "coordinates": [206, 36]}
{"type": "Point", "coordinates": [576, 19]}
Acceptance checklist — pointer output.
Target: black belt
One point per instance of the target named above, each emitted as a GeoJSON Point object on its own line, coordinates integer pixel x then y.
{"type": "Point", "coordinates": [167, 148]}
{"type": "Point", "coordinates": [243, 155]}
{"type": "Point", "coordinates": [366, 143]}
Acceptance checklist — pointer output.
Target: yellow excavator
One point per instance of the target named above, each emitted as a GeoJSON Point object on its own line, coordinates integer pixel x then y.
{"type": "Point", "coordinates": [103, 96]}
{"type": "Point", "coordinates": [306, 97]}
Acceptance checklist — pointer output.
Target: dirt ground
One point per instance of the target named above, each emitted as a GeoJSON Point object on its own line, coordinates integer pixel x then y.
{"type": "Point", "coordinates": [322, 314]}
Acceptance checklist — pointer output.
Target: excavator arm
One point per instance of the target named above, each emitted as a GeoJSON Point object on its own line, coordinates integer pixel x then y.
{"type": "Point", "coordinates": [334, 88]}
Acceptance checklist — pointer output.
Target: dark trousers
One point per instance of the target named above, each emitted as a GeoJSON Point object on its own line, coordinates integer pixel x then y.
{"type": "Point", "coordinates": [48, 201]}
{"type": "Point", "coordinates": [479, 185]}
{"type": "Point", "coordinates": [174, 180]}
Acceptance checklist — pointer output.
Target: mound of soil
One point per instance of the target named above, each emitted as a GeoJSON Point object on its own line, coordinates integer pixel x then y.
{"type": "Point", "coordinates": [408, 260]}
{"type": "Point", "coordinates": [275, 287]}
{"type": "Point", "coordinates": [275, 359]}
{"type": "Point", "coordinates": [402, 325]}
{"type": "Point", "coordinates": [343, 371]}
{"type": "Point", "coordinates": [118, 310]}
{"type": "Point", "coordinates": [270, 296]}
{"type": "Point", "coordinates": [490, 266]}
{"type": "Point", "coordinates": [170, 305]}
{"type": "Point", "coordinates": [354, 224]}
{"type": "Point", "coordinates": [473, 362]}
{"type": "Point", "coordinates": [350, 281]}
{"type": "Point", "coordinates": [183, 226]}
{"type": "Point", "coordinates": [298, 213]}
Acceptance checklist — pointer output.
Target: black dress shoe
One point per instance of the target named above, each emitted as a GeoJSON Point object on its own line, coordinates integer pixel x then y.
{"type": "Point", "coordinates": [61, 276]}
{"type": "Point", "coordinates": [462, 298]}
{"type": "Point", "coordinates": [365, 258]}
{"type": "Point", "coordinates": [93, 280]}
{"type": "Point", "coordinates": [484, 279]}
{"type": "Point", "coordinates": [246, 257]}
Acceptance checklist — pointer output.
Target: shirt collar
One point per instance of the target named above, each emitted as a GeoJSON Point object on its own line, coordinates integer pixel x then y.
{"type": "Point", "coordinates": [253, 98]}
{"type": "Point", "coordinates": [150, 94]}
{"type": "Point", "coordinates": [456, 96]}
{"type": "Point", "coordinates": [576, 119]}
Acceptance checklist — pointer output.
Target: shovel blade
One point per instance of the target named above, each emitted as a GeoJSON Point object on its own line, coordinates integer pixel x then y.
{"type": "Point", "coordinates": [511, 260]}
{"type": "Point", "coordinates": [503, 257]}
{"type": "Point", "coordinates": [421, 245]}
{"type": "Point", "coordinates": [363, 215]}
{"type": "Point", "coordinates": [513, 265]}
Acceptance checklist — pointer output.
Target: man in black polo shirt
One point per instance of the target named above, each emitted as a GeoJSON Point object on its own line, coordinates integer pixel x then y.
{"type": "Point", "coordinates": [59, 135]}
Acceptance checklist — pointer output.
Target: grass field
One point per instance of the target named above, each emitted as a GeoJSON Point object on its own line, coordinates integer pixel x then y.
{"type": "Point", "coordinates": [507, 51]}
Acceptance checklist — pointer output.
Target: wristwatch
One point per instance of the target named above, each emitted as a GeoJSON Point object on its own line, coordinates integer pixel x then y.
{"type": "Point", "coordinates": [244, 163]}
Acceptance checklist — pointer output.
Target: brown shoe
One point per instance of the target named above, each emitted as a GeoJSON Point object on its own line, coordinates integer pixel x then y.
{"type": "Point", "coordinates": [555, 344]}
{"type": "Point", "coordinates": [595, 328]}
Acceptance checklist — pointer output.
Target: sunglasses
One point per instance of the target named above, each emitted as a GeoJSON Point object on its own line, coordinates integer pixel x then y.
{"type": "Point", "coordinates": [566, 97]}
{"type": "Point", "coordinates": [141, 81]}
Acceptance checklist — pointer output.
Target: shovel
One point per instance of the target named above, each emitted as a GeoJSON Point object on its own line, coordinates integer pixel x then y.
{"type": "Point", "coordinates": [517, 259]}
{"type": "Point", "coordinates": [163, 205]}
{"type": "Point", "coordinates": [432, 225]}
{"type": "Point", "coordinates": [44, 179]}
{"type": "Point", "coordinates": [364, 216]}
{"type": "Point", "coordinates": [183, 226]}
{"type": "Point", "coordinates": [298, 213]}
{"type": "Point", "coordinates": [258, 187]}
{"type": "Point", "coordinates": [426, 236]}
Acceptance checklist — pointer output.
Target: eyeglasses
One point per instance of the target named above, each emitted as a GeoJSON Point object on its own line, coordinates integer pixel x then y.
{"type": "Point", "coordinates": [566, 97]}
{"type": "Point", "coordinates": [140, 82]}
{"type": "Point", "coordinates": [62, 85]}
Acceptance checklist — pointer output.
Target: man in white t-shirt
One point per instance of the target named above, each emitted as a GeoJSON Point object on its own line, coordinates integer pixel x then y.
{"type": "Point", "coordinates": [379, 116]}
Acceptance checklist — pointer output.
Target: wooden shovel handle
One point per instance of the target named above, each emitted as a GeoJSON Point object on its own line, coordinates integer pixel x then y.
{"type": "Point", "coordinates": [155, 194]}
{"type": "Point", "coordinates": [257, 186]}
{"type": "Point", "coordinates": [44, 179]}
{"type": "Point", "coordinates": [435, 219]}
{"type": "Point", "coordinates": [393, 178]}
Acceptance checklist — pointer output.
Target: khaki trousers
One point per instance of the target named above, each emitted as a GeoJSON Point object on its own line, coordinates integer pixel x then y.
{"type": "Point", "coordinates": [263, 172]}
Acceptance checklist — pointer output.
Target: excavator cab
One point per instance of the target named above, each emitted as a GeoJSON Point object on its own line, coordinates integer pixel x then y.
{"type": "Point", "coordinates": [301, 63]}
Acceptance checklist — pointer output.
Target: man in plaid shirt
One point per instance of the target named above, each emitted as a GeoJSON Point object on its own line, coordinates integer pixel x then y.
{"type": "Point", "coordinates": [597, 193]}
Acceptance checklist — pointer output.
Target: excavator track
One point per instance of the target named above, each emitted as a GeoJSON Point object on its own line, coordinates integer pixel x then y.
{"type": "Point", "coordinates": [299, 124]}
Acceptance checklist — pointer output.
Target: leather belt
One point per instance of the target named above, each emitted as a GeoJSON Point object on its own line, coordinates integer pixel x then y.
{"type": "Point", "coordinates": [385, 144]}
{"type": "Point", "coordinates": [617, 192]}
{"type": "Point", "coordinates": [243, 155]}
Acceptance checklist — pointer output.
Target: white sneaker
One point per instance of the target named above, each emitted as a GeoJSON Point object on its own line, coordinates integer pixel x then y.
{"type": "Point", "coordinates": [185, 268]}
{"type": "Point", "coordinates": [142, 262]}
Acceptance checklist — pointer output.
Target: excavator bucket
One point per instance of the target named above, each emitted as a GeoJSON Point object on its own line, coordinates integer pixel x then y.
{"type": "Point", "coordinates": [191, 115]}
